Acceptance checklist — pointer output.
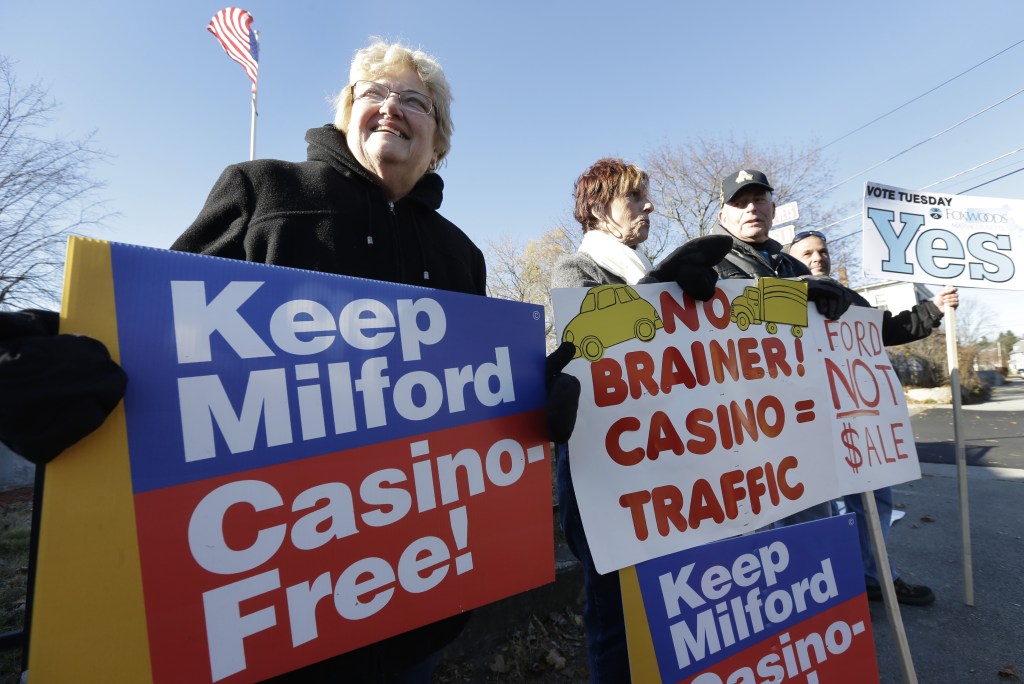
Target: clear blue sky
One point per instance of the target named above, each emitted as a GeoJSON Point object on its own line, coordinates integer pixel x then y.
{"type": "Point", "coordinates": [542, 89]}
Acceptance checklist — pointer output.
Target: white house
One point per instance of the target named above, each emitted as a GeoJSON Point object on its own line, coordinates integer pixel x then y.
{"type": "Point", "coordinates": [895, 296]}
{"type": "Point", "coordinates": [1016, 361]}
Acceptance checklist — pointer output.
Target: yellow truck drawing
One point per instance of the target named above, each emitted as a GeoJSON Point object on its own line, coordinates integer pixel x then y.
{"type": "Point", "coordinates": [610, 314]}
{"type": "Point", "coordinates": [772, 301]}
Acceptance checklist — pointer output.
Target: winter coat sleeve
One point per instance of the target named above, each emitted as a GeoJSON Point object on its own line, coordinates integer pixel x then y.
{"type": "Point", "coordinates": [579, 270]}
{"type": "Point", "coordinates": [913, 324]}
{"type": "Point", "coordinates": [221, 226]}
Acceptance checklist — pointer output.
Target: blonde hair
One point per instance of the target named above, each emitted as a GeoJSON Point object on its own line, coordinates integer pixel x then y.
{"type": "Point", "coordinates": [381, 58]}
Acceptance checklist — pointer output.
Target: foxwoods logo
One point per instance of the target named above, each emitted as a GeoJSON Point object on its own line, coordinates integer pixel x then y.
{"type": "Point", "coordinates": [971, 216]}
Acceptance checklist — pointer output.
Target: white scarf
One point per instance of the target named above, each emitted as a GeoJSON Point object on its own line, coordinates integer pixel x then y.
{"type": "Point", "coordinates": [629, 264]}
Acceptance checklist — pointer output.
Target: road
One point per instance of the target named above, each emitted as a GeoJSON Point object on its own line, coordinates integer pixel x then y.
{"type": "Point", "coordinates": [993, 431]}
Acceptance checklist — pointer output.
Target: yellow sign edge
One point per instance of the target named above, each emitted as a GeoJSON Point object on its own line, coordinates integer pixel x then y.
{"type": "Point", "coordinates": [88, 621]}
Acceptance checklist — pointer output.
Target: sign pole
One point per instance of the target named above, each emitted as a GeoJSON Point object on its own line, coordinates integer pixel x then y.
{"type": "Point", "coordinates": [961, 459]}
{"type": "Point", "coordinates": [892, 609]}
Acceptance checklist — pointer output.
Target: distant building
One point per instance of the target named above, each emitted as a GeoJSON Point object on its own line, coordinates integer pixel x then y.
{"type": "Point", "coordinates": [895, 296]}
{"type": "Point", "coordinates": [1016, 360]}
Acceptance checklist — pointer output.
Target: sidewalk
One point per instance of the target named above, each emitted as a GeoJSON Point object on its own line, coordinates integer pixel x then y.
{"type": "Point", "coordinates": [951, 642]}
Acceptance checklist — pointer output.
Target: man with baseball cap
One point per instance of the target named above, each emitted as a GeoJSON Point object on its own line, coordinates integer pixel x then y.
{"type": "Point", "coordinates": [746, 216]}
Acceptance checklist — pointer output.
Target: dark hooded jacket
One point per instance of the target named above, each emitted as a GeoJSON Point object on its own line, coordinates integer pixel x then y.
{"type": "Point", "coordinates": [329, 214]}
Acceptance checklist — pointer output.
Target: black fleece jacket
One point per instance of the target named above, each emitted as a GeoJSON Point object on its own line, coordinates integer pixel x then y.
{"type": "Point", "coordinates": [329, 214]}
{"type": "Point", "coordinates": [743, 261]}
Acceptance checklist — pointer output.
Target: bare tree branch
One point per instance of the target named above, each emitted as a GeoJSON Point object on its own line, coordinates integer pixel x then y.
{"type": "Point", "coordinates": [522, 273]}
{"type": "Point", "coordinates": [686, 186]}
{"type": "Point", "coordinates": [46, 193]}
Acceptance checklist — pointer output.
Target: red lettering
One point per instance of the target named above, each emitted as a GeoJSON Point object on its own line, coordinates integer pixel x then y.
{"type": "Point", "coordinates": [667, 502]}
{"type": "Point", "coordinates": [886, 370]}
{"type": "Point", "coordinates": [790, 491]}
{"type": "Point", "coordinates": [772, 403]}
{"type": "Point", "coordinates": [731, 494]}
{"type": "Point", "coordinates": [635, 502]}
{"type": "Point", "coordinates": [749, 358]}
{"type": "Point", "coordinates": [663, 437]}
{"type": "Point", "coordinates": [775, 356]}
{"type": "Point", "coordinates": [675, 371]}
{"type": "Point", "coordinates": [897, 441]}
{"type": "Point", "coordinates": [704, 504]}
{"type": "Point", "coordinates": [698, 424]}
{"type": "Point", "coordinates": [724, 360]}
{"type": "Point", "coordinates": [833, 371]}
{"type": "Point", "coordinates": [747, 421]}
{"type": "Point", "coordinates": [672, 310]}
{"type": "Point", "coordinates": [613, 445]}
{"type": "Point", "coordinates": [640, 371]}
{"type": "Point", "coordinates": [609, 387]}
{"type": "Point", "coordinates": [755, 489]}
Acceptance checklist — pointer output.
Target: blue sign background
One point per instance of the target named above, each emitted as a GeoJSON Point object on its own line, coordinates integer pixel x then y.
{"type": "Point", "coordinates": [142, 277]}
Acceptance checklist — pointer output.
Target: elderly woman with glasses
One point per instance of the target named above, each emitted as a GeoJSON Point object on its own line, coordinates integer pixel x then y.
{"type": "Point", "coordinates": [614, 210]}
{"type": "Point", "coordinates": [364, 203]}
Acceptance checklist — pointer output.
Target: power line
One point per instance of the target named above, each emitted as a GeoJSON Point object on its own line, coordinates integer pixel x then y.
{"type": "Point", "coordinates": [991, 181]}
{"type": "Point", "coordinates": [928, 139]}
{"type": "Point", "coordinates": [892, 111]}
{"type": "Point", "coordinates": [974, 168]}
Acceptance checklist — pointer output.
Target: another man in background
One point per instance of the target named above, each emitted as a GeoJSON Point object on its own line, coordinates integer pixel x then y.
{"type": "Point", "coordinates": [810, 247]}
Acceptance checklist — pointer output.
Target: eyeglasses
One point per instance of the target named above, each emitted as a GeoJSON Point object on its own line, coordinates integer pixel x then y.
{"type": "Point", "coordinates": [808, 233]}
{"type": "Point", "coordinates": [377, 93]}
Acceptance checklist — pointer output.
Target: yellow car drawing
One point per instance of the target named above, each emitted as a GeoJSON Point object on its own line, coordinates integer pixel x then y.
{"type": "Point", "coordinates": [609, 315]}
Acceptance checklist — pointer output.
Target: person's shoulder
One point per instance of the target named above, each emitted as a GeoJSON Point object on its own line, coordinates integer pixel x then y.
{"type": "Point", "coordinates": [794, 266]}
{"type": "Point", "coordinates": [577, 269]}
{"type": "Point", "coordinates": [451, 233]}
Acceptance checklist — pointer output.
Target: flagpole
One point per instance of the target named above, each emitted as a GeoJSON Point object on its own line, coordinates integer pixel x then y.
{"type": "Point", "coordinates": [252, 125]}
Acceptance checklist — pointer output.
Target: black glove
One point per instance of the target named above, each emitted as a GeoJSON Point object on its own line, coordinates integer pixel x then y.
{"type": "Point", "coordinates": [831, 299]}
{"type": "Point", "coordinates": [691, 266]}
{"type": "Point", "coordinates": [54, 389]}
{"type": "Point", "coordinates": [563, 393]}
{"type": "Point", "coordinates": [28, 323]}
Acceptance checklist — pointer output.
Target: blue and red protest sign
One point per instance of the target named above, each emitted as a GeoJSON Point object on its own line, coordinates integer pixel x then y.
{"type": "Point", "coordinates": [777, 606]}
{"type": "Point", "coordinates": [306, 463]}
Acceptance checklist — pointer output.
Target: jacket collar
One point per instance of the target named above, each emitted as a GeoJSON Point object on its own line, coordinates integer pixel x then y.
{"type": "Point", "coordinates": [327, 144]}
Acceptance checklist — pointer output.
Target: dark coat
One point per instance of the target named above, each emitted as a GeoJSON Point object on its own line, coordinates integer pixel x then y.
{"type": "Point", "coordinates": [743, 261]}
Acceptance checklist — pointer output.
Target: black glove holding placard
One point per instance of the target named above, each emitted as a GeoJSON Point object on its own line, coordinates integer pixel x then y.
{"type": "Point", "coordinates": [54, 389]}
{"type": "Point", "coordinates": [563, 393]}
{"type": "Point", "coordinates": [829, 297]}
{"type": "Point", "coordinates": [691, 266]}
{"type": "Point", "coordinates": [28, 323]}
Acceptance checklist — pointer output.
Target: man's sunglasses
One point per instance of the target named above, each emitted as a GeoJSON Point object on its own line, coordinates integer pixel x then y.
{"type": "Point", "coordinates": [809, 233]}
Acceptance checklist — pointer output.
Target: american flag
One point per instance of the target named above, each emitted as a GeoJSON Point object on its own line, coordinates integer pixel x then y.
{"type": "Point", "coordinates": [233, 28]}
